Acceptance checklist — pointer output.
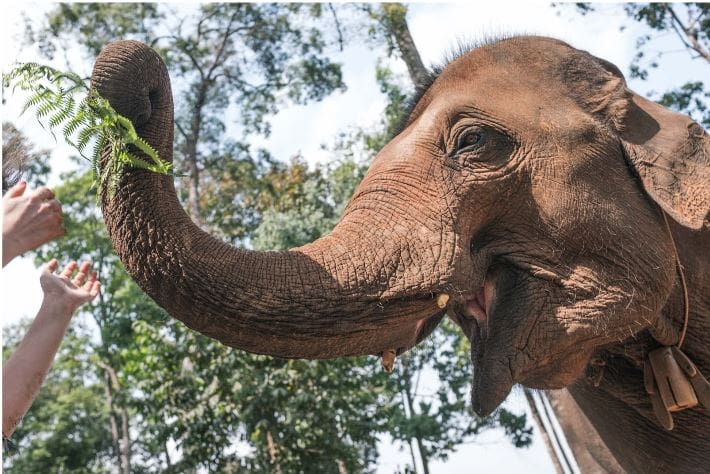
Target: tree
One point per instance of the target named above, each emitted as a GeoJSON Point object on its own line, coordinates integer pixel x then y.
{"type": "Point", "coordinates": [288, 68]}
{"type": "Point", "coordinates": [255, 57]}
{"type": "Point", "coordinates": [436, 423]}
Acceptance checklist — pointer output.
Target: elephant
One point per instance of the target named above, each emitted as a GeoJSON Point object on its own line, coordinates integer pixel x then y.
{"type": "Point", "coordinates": [530, 196]}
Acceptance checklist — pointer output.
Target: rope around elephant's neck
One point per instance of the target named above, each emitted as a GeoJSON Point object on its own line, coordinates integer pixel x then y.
{"type": "Point", "coordinates": [686, 312]}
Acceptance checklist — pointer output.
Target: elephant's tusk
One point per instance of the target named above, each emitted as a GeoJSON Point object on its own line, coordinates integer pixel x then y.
{"type": "Point", "coordinates": [388, 358]}
{"type": "Point", "coordinates": [441, 300]}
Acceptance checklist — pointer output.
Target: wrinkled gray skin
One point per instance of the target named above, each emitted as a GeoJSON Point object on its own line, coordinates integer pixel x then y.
{"type": "Point", "coordinates": [528, 184]}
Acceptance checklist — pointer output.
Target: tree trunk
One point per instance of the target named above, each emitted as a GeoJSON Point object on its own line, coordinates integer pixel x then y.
{"type": "Point", "coordinates": [122, 446]}
{"type": "Point", "coordinates": [413, 456]}
{"type": "Point", "coordinates": [396, 24]}
{"type": "Point", "coordinates": [168, 461]}
{"type": "Point", "coordinates": [126, 445]}
{"type": "Point", "coordinates": [112, 420]}
{"type": "Point", "coordinates": [191, 140]}
{"type": "Point", "coordinates": [409, 399]}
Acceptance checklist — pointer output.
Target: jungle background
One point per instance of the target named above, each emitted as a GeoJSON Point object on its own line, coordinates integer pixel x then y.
{"type": "Point", "coordinates": [131, 390]}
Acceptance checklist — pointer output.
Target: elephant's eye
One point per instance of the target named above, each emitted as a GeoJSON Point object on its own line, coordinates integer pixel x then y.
{"type": "Point", "coordinates": [470, 140]}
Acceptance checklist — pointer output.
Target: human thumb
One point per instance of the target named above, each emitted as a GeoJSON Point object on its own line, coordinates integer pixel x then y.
{"type": "Point", "coordinates": [17, 190]}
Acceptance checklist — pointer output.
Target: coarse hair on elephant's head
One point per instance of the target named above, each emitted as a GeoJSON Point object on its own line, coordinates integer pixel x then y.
{"type": "Point", "coordinates": [527, 184]}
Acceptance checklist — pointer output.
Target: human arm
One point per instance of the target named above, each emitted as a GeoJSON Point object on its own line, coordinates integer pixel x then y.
{"type": "Point", "coordinates": [29, 220]}
{"type": "Point", "coordinates": [24, 372]}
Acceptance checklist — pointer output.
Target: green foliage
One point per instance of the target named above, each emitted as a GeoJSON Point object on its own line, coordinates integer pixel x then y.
{"type": "Point", "coordinates": [98, 24]}
{"type": "Point", "coordinates": [317, 413]}
{"type": "Point", "coordinates": [305, 204]}
{"type": "Point", "coordinates": [385, 19]}
{"type": "Point", "coordinates": [515, 427]}
{"type": "Point", "coordinates": [397, 101]}
{"type": "Point", "coordinates": [689, 21]}
{"type": "Point", "coordinates": [691, 98]}
{"type": "Point", "coordinates": [90, 119]}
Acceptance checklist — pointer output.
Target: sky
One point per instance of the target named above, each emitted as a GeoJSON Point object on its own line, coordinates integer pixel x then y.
{"type": "Point", "coordinates": [436, 29]}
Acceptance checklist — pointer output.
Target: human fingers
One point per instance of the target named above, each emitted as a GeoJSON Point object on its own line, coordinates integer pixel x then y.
{"type": "Point", "coordinates": [95, 288]}
{"type": "Point", "coordinates": [80, 277]}
{"type": "Point", "coordinates": [50, 216]}
{"type": "Point", "coordinates": [68, 270]}
{"type": "Point", "coordinates": [53, 205]}
{"type": "Point", "coordinates": [90, 281]}
{"type": "Point", "coordinates": [17, 190]}
{"type": "Point", "coordinates": [52, 265]}
{"type": "Point", "coordinates": [46, 227]}
{"type": "Point", "coordinates": [43, 193]}
{"type": "Point", "coordinates": [57, 225]}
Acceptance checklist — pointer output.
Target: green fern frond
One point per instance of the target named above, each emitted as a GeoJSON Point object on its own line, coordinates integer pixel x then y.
{"type": "Point", "coordinates": [52, 96]}
{"type": "Point", "coordinates": [74, 123]}
{"type": "Point", "coordinates": [61, 116]}
{"type": "Point", "coordinates": [84, 136]}
{"type": "Point", "coordinates": [35, 99]}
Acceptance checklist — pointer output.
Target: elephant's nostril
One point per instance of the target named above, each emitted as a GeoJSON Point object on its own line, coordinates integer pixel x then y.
{"type": "Point", "coordinates": [153, 98]}
{"type": "Point", "coordinates": [142, 118]}
{"type": "Point", "coordinates": [147, 107]}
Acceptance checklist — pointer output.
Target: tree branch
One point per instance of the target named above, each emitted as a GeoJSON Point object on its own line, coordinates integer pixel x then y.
{"type": "Point", "coordinates": [689, 35]}
{"type": "Point", "coordinates": [181, 130]}
{"type": "Point", "coordinates": [337, 25]}
{"type": "Point", "coordinates": [222, 46]}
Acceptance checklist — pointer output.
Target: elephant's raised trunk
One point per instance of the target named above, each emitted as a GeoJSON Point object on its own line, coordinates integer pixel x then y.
{"type": "Point", "coordinates": [359, 290]}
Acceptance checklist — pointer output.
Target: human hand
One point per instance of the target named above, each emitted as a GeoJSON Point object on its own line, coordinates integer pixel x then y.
{"type": "Point", "coordinates": [29, 220]}
{"type": "Point", "coordinates": [67, 292]}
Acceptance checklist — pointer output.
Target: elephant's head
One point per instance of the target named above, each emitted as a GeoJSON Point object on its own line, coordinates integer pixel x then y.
{"type": "Point", "coordinates": [526, 185]}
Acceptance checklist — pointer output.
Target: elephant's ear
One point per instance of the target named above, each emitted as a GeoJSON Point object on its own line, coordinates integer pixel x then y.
{"type": "Point", "coordinates": [668, 151]}
{"type": "Point", "coordinates": [671, 155]}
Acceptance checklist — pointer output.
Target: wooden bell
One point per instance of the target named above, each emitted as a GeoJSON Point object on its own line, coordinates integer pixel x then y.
{"type": "Point", "coordinates": [674, 383]}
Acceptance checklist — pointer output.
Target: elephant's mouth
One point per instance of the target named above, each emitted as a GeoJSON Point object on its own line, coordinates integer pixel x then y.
{"type": "Point", "coordinates": [426, 326]}
{"type": "Point", "coordinates": [473, 310]}
{"type": "Point", "coordinates": [483, 315]}
{"type": "Point", "coordinates": [503, 331]}
{"type": "Point", "coordinates": [480, 305]}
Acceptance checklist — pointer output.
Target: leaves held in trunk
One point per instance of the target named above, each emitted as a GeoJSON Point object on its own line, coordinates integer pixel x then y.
{"type": "Point", "coordinates": [91, 118]}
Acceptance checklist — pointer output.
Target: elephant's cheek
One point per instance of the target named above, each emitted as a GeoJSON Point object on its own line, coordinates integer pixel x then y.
{"type": "Point", "coordinates": [559, 373]}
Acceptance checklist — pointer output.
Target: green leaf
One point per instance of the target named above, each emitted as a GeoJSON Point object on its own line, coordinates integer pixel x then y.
{"type": "Point", "coordinates": [53, 99]}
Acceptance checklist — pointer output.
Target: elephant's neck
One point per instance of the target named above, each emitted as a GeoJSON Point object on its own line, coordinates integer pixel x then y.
{"type": "Point", "coordinates": [620, 410]}
{"type": "Point", "coordinates": [693, 257]}
{"type": "Point", "coordinates": [613, 395]}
